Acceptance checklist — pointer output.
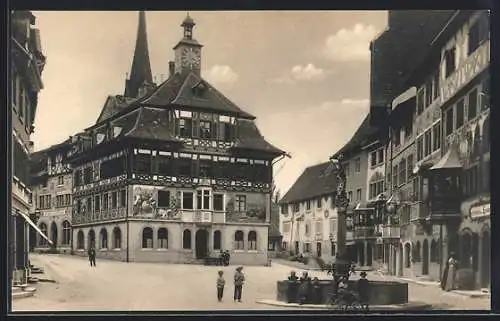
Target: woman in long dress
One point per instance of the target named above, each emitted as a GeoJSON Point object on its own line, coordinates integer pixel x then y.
{"type": "Point", "coordinates": [449, 273]}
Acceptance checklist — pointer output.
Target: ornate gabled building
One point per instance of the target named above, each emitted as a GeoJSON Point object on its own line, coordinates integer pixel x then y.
{"type": "Point", "coordinates": [174, 173]}
{"type": "Point", "coordinates": [26, 66]}
{"type": "Point", "coordinates": [52, 182]}
{"type": "Point", "coordinates": [308, 216]}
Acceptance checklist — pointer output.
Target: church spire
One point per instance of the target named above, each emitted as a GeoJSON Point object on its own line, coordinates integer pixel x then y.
{"type": "Point", "coordinates": [140, 73]}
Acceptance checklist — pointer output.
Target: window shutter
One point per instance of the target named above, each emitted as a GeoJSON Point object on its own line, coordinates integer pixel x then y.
{"type": "Point", "coordinates": [194, 125]}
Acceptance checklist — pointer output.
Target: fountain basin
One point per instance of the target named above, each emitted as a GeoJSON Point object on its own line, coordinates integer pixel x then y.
{"type": "Point", "coordinates": [381, 292]}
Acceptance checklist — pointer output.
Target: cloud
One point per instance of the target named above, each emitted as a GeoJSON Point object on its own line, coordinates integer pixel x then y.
{"type": "Point", "coordinates": [221, 74]}
{"type": "Point", "coordinates": [350, 44]}
{"type": "Point", "coordinates": [307, 72]}
{"type": "Point", "coordinates": [311, 134]}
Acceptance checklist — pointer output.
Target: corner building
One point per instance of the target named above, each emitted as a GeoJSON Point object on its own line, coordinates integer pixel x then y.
{"type": "Point", "coordinates": [173, 172]}
{"type": "Point", "coordinates": [26, 66]}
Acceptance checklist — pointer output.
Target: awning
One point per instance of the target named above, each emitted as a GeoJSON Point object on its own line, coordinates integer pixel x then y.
{"type": "Point", "coordinates": [33, 225]}
{"type": "Point", "coordinates": [407, 95]}
{"type": "Point", "coordinates": [450, 160]}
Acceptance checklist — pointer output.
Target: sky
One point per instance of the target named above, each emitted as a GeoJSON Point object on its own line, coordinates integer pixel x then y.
{"type": "Point", "coordinates": [304, 75]}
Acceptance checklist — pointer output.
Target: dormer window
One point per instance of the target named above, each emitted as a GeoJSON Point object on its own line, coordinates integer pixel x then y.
{"type": "Point", "coordinates": [199, 90]}
{"type": "Point", "coordinates": [117, 131]}
{"type": "Point", "coordinates": [99, 138]}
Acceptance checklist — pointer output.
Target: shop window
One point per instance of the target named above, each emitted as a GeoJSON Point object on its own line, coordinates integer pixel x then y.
{"type": "Point", "coordinates": [239, 240]}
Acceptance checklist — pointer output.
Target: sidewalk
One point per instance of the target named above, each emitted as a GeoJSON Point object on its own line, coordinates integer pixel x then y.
{"type": "Point", "coordinates": [436, 284]}
{"type": "Point", "coordinates": [411, 306]}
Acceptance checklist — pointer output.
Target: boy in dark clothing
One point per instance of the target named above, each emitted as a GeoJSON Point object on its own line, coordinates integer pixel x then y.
{"type": "Point", "coordinates": [220, 286]}
{"type": "Point", "coordinates": [364, 290]}
{"type": "Point", "coordinates": [91, 254]}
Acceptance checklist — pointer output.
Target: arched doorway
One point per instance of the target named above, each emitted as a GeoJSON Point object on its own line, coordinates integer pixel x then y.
{"type": "Point", "coordinates": [369, 254]}
{"type": "Point", "coordinates": [485, 259]}
{"type": "Point", "coordinates": [465, 256]}
{"type": "Point", "coordinates": [91, 240]}
{"type": "Point", "coordinates": [407, 255]}
{"type": "Point", "coordinates": [53, 234]}
{"type": "Point", "coordinates": [201, 243]}
{"type": "Point", "coordinates": [425, 258]}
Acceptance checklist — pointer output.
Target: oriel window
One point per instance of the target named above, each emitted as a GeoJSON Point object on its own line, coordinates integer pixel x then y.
{"type": "Point", "coordinates": [114, 199]}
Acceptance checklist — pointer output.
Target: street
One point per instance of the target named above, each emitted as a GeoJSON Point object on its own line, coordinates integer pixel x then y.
{"type": "Point", "coordinates": [114, 285]}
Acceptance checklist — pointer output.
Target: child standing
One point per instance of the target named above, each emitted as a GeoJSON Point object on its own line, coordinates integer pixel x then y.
{"type": "Point", "coordinates": [220, 286]}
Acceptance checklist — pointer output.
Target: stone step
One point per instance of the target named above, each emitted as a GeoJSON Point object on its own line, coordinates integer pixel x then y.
{"type": "Point", "coordinates": [32, 280]}
{"type": "Point", "coordinates": [23, 294]}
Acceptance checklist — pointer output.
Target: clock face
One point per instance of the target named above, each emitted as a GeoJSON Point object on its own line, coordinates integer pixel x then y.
{"type": "Point", "coordinates": [191, 58]}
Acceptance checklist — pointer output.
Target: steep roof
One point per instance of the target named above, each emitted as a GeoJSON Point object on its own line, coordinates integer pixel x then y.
{"type": "Point", "coordinates": [112, 106]}
{"type": "Point", "coordinates": [315, 181]}
{"type": "Point", "coordinates": [249, 137]}
{"type": "Point", "coordinates": [179, 90]}
{"type": "Point", "coordinates": [152, 123]}
{"type": "Point", "coordinates": [360, 136]}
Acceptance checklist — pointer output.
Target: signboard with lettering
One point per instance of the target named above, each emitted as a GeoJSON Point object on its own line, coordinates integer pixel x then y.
{"type": "Point", "coordinates": [480, 211]}
{"type": "Point", "coordinates": [466, 71]}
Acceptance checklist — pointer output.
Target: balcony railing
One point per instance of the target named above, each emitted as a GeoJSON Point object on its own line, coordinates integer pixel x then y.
{"type": "Point", "coordinates": [389, 232]}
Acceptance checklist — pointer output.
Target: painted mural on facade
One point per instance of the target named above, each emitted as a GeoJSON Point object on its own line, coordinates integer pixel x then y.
{"type": "Point", "coordinates": [146, 203]}
{"type": "Point", "coordinates": [249, 207]}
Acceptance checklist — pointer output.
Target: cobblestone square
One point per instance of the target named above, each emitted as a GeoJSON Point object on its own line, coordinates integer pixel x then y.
{"type": "Point", "coordinates": [114, 286]}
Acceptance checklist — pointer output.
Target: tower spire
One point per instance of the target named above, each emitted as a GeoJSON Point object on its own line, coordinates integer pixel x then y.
{"type": "Point", "coordinates": [140, 72]}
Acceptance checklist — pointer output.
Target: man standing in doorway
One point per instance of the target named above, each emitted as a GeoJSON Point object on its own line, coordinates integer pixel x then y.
{"type": "Point", "coordinates": [91, 254]}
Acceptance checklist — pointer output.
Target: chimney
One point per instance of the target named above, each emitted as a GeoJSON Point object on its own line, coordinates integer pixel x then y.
{"type": "Point", "coordinates": [171, 68]}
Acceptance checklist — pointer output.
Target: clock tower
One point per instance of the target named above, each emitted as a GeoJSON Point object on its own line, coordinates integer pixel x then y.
{"type": "Point", "coordinates": [188, 50]}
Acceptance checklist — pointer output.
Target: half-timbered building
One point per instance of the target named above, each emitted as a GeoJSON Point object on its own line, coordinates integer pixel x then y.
{"type": "Point", "coordinates": [173, 172]}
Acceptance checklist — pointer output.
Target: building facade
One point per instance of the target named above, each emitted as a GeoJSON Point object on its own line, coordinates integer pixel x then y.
{"type": "Point", "coordinates": [361, 212]}
{"type": "Point", "coordinates": [51, 182]}
{"type": "Point", "coordinates": [27, 63]}
{"type": "Point", "coordinates": [465, 95]}
{"type": "Point", "coordinates": [173, 172]}
{"type": "Point", "coordinates": [436, 128]}
{"type": "Point", "coordinates": [308, 216]}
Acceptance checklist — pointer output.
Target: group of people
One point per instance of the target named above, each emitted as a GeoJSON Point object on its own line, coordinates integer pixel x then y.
{"type": "Point", "coordinates": [309, 290]}
{"type": "Point", "coordinates": [449, 273]}
{"type": "Point", "coordinates": [224, 258]}
{"type": "Point", "coordinates": [239, 280]}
